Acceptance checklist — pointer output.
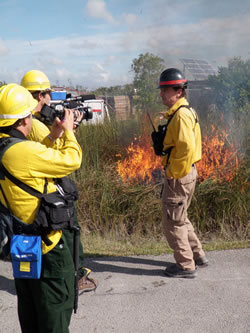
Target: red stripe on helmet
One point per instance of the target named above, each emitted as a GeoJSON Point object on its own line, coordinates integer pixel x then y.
{"type": "Point", "coordinates": [163, 83]}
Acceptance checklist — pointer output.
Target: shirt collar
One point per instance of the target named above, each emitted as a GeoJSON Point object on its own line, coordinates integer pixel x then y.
{"type": "Point", "coordinates": [181, 101]}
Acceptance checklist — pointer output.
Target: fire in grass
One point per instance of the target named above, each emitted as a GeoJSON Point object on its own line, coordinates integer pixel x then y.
{"type": "Point", "coordinates": [219, 160]}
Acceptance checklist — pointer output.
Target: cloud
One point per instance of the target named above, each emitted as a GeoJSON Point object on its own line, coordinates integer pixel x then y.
{"type": "Point", "coordinates": [3, 48]}
{"type": "Point", "coordinates": [111, 59]}
{"type": "Point", "coordinates": [97, 9]}
{"type": "Point", "coordinates": [104, 75]}
{"type": "Point", "coordinates": [46, 60]}
{"type": "Point", "coordinates": [94, 76]}
{"type": "Point", "coordinates": [63, 74]}
{"type": "Point", "coordinates": [209, 39]}
{"type": "Point", "coordinates": [129, 19]}
{"type": "Point", "coordinates": [82, 43]}
{"type": "Point", "coordinates": [104, 58]}
{"type": "Point", "coordinates": [11, 76]}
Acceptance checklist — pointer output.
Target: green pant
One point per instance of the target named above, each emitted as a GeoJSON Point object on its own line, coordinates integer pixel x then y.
{"type": "Point", "coordinates": [69, 235]}
{"type": "Point", "coordinates": [45, 305]}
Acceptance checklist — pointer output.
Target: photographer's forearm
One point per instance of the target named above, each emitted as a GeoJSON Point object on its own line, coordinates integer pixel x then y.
{"type": "Point", "coordinates": [49, 142]}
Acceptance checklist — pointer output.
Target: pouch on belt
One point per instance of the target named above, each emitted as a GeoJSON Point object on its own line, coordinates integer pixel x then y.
{"type": "Point", "coordinates": [26, 255]}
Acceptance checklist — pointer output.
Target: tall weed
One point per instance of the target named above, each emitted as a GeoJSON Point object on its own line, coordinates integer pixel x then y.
{"type": "Point", "coordinates": [107, 205]}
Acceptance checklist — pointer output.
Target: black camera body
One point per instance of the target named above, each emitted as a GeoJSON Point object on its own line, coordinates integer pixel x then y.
{"type": "Point", "coordinates": [56, 109]}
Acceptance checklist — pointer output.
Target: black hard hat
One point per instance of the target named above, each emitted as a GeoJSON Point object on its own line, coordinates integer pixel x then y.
{"type": "Point", "coordinates": [172, 77]}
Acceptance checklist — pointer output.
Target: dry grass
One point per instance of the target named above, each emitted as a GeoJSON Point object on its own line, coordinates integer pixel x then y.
{"type": "Point", "coordinates": [111, 245]}
{"type": "Point", "coordinates": [119, 217]}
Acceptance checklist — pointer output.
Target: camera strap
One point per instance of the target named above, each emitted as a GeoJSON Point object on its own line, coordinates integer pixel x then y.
{"type": "Point", "coordinates": [187, 107]}
{"type": "Point", "coordinates": [6, 143]}
{"type": "Point", "coordinates": [20, 184]}
{"type": "Point", "coordinates": [9, 223]}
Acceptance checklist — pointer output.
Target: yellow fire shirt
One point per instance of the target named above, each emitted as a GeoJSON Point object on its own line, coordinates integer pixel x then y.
{"type": "Point", "coordinates": [32, 162]}
{"type": "Point", "coordinates": [184, 135]}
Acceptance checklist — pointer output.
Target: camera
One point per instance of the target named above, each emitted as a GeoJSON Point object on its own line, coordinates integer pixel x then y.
{"type": "Point", "coordinates": [55, 109]}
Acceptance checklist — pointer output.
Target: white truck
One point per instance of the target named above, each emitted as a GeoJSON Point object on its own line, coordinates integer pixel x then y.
{"type": "Point", "coordinates": [99, 110]}
{"type": "Point", "coordinates": [97, 106]}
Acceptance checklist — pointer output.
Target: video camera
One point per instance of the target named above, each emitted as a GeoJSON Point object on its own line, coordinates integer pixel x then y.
{"type": "Point", "coordinates": [56, 109]}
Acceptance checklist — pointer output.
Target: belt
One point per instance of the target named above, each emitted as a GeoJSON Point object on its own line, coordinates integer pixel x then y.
{"type": "Point", "coordinates": [165, 167]}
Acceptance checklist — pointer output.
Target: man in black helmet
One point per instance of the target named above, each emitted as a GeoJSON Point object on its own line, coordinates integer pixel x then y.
{"type": "Point", "coordinates": [181, 150]}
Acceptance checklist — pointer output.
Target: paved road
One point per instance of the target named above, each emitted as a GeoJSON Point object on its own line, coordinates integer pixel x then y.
{"type": "Point", "coordinates": [135, 297]}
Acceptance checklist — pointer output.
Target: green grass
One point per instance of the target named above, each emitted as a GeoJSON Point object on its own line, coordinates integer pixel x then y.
{"type": "Point", "coordinates": [111, 245]}
{"type": "Point", "coordinates": [106, 204]}
{"type": "Point", "coordinates": [124, 219]}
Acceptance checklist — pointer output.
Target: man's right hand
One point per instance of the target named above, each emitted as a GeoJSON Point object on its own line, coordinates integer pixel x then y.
{"type": "Point", "coordinates": [68, 121]}
{"type": "Point", "coordinates": [60, 126]}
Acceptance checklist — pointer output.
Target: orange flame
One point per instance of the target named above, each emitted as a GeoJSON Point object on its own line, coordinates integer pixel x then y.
{"type": "Point", "coordinates": [140, 163]}
{"type": "Point", "coordinates": [219, 157]}
{"type": "Point", "coordinates": [219, 160]}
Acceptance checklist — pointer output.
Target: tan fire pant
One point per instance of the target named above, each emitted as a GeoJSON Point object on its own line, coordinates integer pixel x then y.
{"type": "Point", "coordinates": [176, 198]}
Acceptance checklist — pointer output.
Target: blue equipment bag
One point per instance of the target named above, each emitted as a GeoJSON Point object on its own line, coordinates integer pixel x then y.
{"type": "Point", "coordinates": [26, 255]}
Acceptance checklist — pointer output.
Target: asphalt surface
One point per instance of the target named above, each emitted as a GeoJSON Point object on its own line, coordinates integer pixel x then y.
{"type": "Point", "coordinates": [134, 296]}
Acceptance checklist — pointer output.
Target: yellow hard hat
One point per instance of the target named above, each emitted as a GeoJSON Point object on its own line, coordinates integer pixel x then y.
{"type": "Point", "coordinates": [16, 102]}
{"type": "Point", "coordinates": [35, 81]}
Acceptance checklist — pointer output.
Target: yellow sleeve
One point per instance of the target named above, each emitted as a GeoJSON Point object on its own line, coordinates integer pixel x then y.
{"type": "Point", "coordinates": [32, 162]}
{"type": "Point", "coordinates": [39, 162]}
{"type": "Point", "coordinates": [56, 163]}
{"type": "Point", "coordinates": [40, 132]}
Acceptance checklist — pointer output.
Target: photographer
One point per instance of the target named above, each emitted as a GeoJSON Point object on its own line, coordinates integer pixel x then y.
{"type": "Point", "coordinates": [39, 86]}
{"type": "Point", "coordinates": [45, 304]}
{"type": "Point", "coordinates": [181, 149]}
